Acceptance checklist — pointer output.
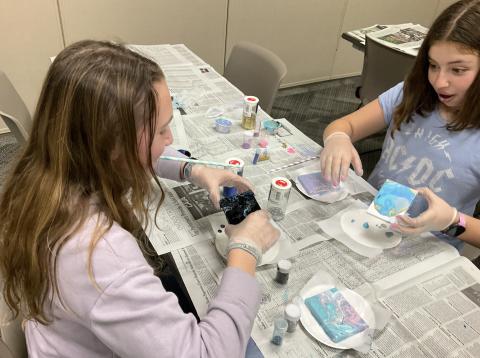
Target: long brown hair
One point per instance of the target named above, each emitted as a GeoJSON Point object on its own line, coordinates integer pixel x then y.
{"type": "Point", "coordinates": [83, 146]}
{"type": "Point", "coordinates": [459, 23]}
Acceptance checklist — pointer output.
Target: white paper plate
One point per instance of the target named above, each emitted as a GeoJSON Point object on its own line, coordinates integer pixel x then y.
{"type": "Point", "coordinates": [356, 301]}
{"type": "Point", "coordinates": [369, 230]}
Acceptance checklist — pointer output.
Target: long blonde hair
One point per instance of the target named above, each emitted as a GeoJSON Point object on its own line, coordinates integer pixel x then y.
{"type": "Point", "coordinates": [83, 144]}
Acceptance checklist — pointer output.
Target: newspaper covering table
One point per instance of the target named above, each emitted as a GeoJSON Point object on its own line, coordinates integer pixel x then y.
{"type": "Point", "coordinates": [432, 293]}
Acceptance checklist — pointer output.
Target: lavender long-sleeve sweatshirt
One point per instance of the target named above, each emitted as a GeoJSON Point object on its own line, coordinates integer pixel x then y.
{"type": "Point", "coordinates": [133, 315]}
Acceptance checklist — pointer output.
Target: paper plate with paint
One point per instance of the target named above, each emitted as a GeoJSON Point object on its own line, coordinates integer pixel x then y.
{"type": "Point", "coordinates": [391, 200]}
{"type": "Point", "coordinates": [326, 312]}
{"type": "Point", "coordinates": [368, 230]}
{"type": "Point", "coordinates": [316, 187]}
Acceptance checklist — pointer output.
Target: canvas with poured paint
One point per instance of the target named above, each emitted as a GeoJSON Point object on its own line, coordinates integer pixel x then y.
{"type": "Point", "coordinates": [391, 200]}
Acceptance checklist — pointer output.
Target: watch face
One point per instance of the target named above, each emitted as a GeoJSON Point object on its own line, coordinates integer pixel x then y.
{"type": "Point", "coordinates": [454, 230]}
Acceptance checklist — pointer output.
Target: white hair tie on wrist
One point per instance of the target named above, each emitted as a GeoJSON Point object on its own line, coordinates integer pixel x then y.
{"type": "Point", "coordinates": [336, 134]}
{"type": "Point", "coordinates": [455, 213]}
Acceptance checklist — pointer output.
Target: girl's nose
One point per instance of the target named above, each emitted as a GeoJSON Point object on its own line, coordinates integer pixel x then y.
{"type": "Point", "coordinates": [441, 81]}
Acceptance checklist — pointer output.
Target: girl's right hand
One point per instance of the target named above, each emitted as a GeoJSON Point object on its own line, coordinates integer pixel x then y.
{"type": "Point", "coordinates": [256, 229]}
{"type": "Point", "coordinates": [337, 155]}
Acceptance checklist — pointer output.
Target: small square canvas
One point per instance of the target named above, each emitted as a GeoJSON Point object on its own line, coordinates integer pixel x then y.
{"type": "Point", "coordinates": [391, 200]}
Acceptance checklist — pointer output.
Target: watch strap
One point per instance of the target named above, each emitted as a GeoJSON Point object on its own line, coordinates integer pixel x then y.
{"type": "Point", "coordinates": [462, 221]}
{"type": "Point", "coordinates": [458, 228]}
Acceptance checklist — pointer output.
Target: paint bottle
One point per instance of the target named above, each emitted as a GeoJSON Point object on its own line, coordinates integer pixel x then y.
{"type": "Point", "coordinates": [229, 191]}
{"type": "Point", "coordinates": [278, 197]}
{"type": "Point", "coordinates": [292, 315]}
{"type": "Point", "coordinates": [250, 105]}
{"type": "Point", "coordinates": [279, 329]}
{"type": "Point", "coordinates": [283, 271]}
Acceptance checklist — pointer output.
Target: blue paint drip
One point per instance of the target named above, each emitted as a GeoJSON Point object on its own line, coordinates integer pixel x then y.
{"type": "Point", "coordinates": [389, 234]}
{"type": "Point", "coordinates": [365, 225]}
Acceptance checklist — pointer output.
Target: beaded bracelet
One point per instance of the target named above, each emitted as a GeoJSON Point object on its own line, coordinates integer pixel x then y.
{"type": "Point", "coordinates": [252, 250]}
{"type": "Point", "coordinates": [187, 171]}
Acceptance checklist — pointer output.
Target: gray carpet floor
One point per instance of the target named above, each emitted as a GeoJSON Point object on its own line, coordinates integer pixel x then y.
{"type": "Point", "coordinates": [309, 107]}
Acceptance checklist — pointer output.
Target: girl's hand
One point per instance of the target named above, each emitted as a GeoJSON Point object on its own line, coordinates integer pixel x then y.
{"type": "Point", "coordinates": [256, 230]}
{"type": "Point", "coordinates": [211, 179]}
{"type": "Point", "coordinates": [336, 156]}
{"type": "Point", "coordinates": [437, 217]}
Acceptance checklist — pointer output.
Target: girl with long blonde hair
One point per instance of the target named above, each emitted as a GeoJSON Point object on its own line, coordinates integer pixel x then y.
{"type": "Point", "coordinates": [70, 214]}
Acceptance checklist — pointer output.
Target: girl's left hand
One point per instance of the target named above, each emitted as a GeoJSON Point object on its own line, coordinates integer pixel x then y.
{"type": "Point", "coordinates": [211, 179]}
{"type": "Point", "coordinates": [437, 217]}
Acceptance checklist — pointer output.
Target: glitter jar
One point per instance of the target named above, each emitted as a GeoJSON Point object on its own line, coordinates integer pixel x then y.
{"type": "Point", "coordinates": [247, 139]}
{"type": "Point", "coordinates": [283, 271]}
{"type": "Point", "coordinates": [292, 315]}
{"type": "Point", "coordinates": [279, 329]}
{"type": "Point", "coordinates": [250, 106]}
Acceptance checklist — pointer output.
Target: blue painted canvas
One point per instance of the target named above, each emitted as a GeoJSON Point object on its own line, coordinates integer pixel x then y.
{"type": "Point", "coordinates": [391, 200]}
{"type": "Point", "coordinates": [335, 315]}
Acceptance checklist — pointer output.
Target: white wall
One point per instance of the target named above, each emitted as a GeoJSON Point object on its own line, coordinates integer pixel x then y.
{"type": "Point", "coordinates": [306, 34]}
{"type": "Point", "coordinates": [30, 32]}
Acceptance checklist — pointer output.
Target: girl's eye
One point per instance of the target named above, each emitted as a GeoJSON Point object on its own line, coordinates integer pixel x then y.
{"type": "Point", "coordinates": [459, 70]}
{"type": "Point", "coordinates": [432, 66]}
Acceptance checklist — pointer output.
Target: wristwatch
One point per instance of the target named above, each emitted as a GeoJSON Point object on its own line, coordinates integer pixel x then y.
{"type": "Point", "coordinates": [456, 229]}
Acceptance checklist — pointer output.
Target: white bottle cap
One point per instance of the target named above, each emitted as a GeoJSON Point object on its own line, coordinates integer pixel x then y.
{"type": "Point", "coordinates": [250, 100]}
{"type": "Point", "coordinates": [235, 161]}
{"type": "Point", "coordinates": [292, 312]}
{"type": "Point", "coordinates": [284, 266]}
{"type": "Point", "coordinates": [239, 163]}
{"type": "Point", "coordinates": [281, 183]}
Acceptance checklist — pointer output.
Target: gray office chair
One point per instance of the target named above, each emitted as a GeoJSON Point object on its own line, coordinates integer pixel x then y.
{"type": "Point", "coordinates": [12, 341]}
{"type": "Point", "coordinates": [256, 71]}
{"type": "Point", "coordinates": [383, 67]}
{"type": "Point", "coordinates": [4, 351]}
{"type": "Point", "coordinates": [13, 111]}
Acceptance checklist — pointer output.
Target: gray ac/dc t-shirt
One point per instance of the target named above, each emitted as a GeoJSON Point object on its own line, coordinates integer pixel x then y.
{"type": "Point", "coordinates": [425, 153]}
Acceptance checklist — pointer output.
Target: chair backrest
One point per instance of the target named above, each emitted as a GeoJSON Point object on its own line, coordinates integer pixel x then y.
{"type": "Point", "coordinates": [13, 111]}
{"type": "Point", "coordinates": [383, 67]}
{"type": "Point", "coordinates": [4, 351]}
{"type": "Point", "coordinates": [12, 341]}
{"type": "Point", "coordinates": [256, 71]}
